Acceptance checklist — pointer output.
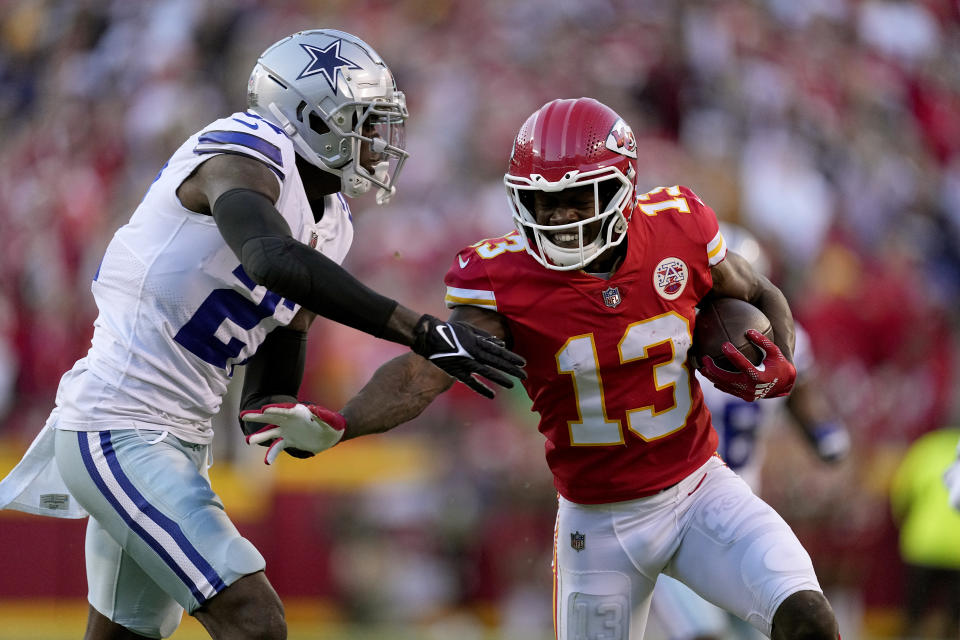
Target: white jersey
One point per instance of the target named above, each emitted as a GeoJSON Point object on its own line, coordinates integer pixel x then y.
{"type": "Point", "coordinates": [739, 423]}
{"type": "Point", "coordinates": [177, 312]}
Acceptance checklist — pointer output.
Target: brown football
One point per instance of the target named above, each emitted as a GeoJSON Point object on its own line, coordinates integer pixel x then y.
{"type": "Point", "coordinates": [727, 320]}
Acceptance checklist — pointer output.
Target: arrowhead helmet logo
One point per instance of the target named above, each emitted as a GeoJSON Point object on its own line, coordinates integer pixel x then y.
{"type": "Point", "coordinates": [621, 139]}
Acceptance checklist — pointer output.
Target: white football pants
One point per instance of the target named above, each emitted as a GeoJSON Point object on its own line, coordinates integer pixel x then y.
{"type": "Point", "coordinates": [709, 531]}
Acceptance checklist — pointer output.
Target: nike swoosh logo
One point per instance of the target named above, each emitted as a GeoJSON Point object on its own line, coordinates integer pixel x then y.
{"type": "Point", "coordinates": [463, 263]}
{"type": "Point", "coordinates": [442, 330]}
{"type": "Point", "coordinates": [250, 125]}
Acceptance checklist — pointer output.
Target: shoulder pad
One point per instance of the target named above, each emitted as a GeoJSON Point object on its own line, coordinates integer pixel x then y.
{"type": "Point", "coordinates": [489, 248]}
{"type": "Point", "coordinates": [677, 197]}
{"type": "Point", "coordinates": [249, 135]}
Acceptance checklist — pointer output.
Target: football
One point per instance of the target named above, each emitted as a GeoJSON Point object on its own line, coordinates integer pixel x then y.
{"type": "Point", "coordinates": [727, 320]}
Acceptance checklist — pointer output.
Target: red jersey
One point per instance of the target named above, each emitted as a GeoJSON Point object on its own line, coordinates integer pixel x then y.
{"type": "Point", "coordinates": [607, 367]}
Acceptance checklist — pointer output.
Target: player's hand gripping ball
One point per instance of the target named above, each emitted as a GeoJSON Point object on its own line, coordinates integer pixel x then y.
{"type": "Point", "coordinates": [732, 347]}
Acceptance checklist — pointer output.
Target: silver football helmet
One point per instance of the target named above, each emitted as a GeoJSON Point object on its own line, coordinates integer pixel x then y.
{"type": "Point", "coordinates": [331, 93]}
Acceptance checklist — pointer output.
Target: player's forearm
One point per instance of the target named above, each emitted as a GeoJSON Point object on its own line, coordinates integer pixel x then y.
{"type": "Point", "coordinates": [398, 392]}
{"type": "Point", "coordinates": [400, 325]}
{"type": "Point", "coordinates": [774, 305]}
{"type": "Point", "coordinates": [821, 427]}
{"type": "Point", "coordinates": [275, 371]}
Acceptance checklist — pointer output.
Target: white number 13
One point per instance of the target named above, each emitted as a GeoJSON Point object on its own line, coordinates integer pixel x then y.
{"type": "Point", "coordinates": [578, 358]}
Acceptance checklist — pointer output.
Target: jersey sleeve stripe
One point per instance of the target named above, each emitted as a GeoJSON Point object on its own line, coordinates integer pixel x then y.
{"type": "Point", "coordinates": [472, 297]}
{"type": "Point", "coordinates": [252, 156]}
{"type": "Point", "coordinates": [267, 149]}
{"type": "Point", "coordinates": [716, 250]}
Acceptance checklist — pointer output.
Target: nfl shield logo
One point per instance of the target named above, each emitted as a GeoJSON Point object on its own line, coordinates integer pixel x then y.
{"type": "Point", "coordinates": [578, 541]}
{"type": "Point", "coordinates": [611, 297]}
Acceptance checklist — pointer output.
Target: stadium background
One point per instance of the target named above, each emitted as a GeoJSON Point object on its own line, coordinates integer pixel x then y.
{"type": "Point", "coordinates": [831, 128]}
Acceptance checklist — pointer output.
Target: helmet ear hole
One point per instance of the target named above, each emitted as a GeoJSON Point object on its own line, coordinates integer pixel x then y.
{"type": "Point", "coordinates": [317, 124]}
{"type": "Point", "coordinates": [300, 108]}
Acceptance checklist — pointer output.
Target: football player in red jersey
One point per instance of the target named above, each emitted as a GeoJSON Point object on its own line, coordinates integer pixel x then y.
{"type": "Point", "coordinates": [598, 289]}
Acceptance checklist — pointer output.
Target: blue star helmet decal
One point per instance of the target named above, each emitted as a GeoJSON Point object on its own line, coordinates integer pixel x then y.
{"type": "Point", "coordinates": [326, 61]}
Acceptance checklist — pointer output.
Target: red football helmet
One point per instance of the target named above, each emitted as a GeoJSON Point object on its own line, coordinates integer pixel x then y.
{"type": "Point", "coordinates": [566, 144]}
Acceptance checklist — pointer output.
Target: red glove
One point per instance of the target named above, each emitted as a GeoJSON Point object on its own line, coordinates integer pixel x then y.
{"type": "Point", "coordinates": [301, 429]}
{"type": "Point", "coordinates": [774, 377]}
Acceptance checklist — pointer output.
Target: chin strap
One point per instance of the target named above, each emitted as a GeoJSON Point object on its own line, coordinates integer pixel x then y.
{"type": "Point", "coordinates": [384, 196]}
{"type": "Point", "coordinates": [355, 183]}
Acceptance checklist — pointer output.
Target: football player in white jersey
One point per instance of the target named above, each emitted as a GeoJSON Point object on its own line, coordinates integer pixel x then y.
{"type": "Point", "coordinates": [678, 611]}
{"type": "Point", "coordinates": [234, 248]}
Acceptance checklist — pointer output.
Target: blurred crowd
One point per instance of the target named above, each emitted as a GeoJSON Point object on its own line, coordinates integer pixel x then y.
{"type": "Point", "coordinates": [830, 128]}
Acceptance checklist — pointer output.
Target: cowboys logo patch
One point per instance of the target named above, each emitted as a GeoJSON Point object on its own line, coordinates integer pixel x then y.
{"type": "Point", "coordinates": [611, 297]}
{"type": "Point", "coordinates": [670, 278]}
{"type": "Point", "coordinates": [578, 541]}
{"type": "Point", "coordinates": [327, 62]}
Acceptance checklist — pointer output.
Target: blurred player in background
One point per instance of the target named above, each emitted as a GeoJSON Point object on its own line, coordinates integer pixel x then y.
{"type": "Point", "coordinates": [597, 288]}
{"type": "Point", "coordinates": [231, 252]}
{"type": "Point", "coordinates": [929, 535]}
{"type": "Point", "coordinates": [678, 611]}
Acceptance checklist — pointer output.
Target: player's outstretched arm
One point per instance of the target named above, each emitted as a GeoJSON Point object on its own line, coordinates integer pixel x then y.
{"type": "Point", "coordinates": [398, 392]}
{"type": "Point", "coordinates": [240, 193]}
{"type": "Point", "coordinates": [403, 387]}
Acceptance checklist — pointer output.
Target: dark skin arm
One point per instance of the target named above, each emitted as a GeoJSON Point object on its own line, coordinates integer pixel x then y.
{"type": "Point", "coordinates": [224, 172]}
{"type": "Point", "coordinates": [808, 405]}
{"type": "Point", "coordinates": [818, 422]}
{"type": "Point", "coordinates": [402, 388]}
{"type": "Point", "coordinates": [736, 278]}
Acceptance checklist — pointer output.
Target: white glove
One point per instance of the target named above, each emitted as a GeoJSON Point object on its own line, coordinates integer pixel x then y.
{"type": "Point", "coordinates": [301, 429]}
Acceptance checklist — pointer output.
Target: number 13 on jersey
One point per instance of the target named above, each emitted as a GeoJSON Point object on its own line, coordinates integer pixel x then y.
{"type": "Point", "coordinates": [667, 377]}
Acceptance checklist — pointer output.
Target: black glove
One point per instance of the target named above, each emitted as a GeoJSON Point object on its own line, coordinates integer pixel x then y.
{"type": "Point", "coordinates": [462, 350]}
